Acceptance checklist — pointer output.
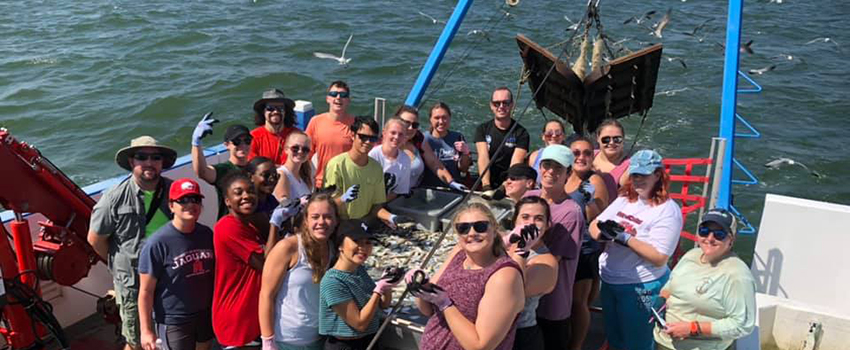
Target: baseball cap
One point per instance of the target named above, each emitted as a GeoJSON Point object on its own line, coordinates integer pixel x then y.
{"type": "Point", "coordinates": [234, 131]}
{"type": "Point", "coordinates": [184, 187]}
{"type": "Point", "coordinates": [521, 170]}
{"type": "Point", "coordinates": [644, 162]}
{"type": "Point", "coordinates": [355, 229]}
{"type": "Point", "coordinates": [558, 153]}
{"type": "Point", "coordinates": [721, 217]}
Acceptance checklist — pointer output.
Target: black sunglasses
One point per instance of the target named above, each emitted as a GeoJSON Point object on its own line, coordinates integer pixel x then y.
{"type": "Point", "coordinates": [299, 149]}
{"type": "Point", "coordinates": [462, 228]}
{"type": "Point", "coordinates": [719, 235]}
{"type": "Point", "coordinates": [608, 139]}
{"type": "Point", "coordinates": [238, 142]}
{"type": "Point", "coordinates": [188, 199]}
{"type": "Point", "coordinates": [586, 153]}
{"type": "Point", "coordinates": [414, 125]}
{"type": "Point", "coordinates": [272, 108]}
{"type": "Point", "coordinates": [270, 176]}
{"type": "Point", "coordinates": [140, 156]}
{"type": "Point", "coordinates": [340, 94]}
{"type": "Point", "coordinates": [506, 103]}
{"type": "Point", "coordinates": [368, 138]}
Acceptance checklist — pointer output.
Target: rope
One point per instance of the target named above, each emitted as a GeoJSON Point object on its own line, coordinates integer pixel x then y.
{"type": "Point", "coordinates": [637, 134]}
{"type": "Point", "coordinates": [465, 198]}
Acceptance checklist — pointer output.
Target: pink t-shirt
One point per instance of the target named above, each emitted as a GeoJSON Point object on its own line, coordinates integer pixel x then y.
{"type": "Point", "coordinates": [329, 138]}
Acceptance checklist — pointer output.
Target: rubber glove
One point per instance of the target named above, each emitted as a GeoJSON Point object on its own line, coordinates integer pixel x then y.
{"type": "Point", "coordinates": [525, 237]}
{"type": "Point", "coordinates": [437, 296]}
{"type": "Point", "coordinates": [457, 186]}
{"type": "Point", "coordinates": [390, 278]}
{"type": "Point", "coordinates": [268, 343]}
{"type": "Point", "coordinates": [351, 194]}
{"type": "Point", "coordinates": [285, 210]}
{"type": "Point", "coordinates": [610, 230]}
{"type": "Point", "coordinates": [400, 219]}
{"type": "Point", "coordinates": [587, 190]}
{"type": "Point", "coordinates": [203, 129]}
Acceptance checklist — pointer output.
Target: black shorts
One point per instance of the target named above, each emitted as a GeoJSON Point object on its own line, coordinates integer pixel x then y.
{"type": "Point", "coordinates": [556, 334]}
{"type": "Point", "coordinates": [333, 343]}
{"type": "Point", "coordinates": [588, 266]}
{"type": "Point", "coordinates": [184, 336]}
{"type": "Point", "coordinates": [529, 338]}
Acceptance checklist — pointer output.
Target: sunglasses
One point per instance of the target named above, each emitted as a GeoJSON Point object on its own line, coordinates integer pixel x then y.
{"type": "Point", "coordinates": [188, 200]}
{"type": "Point", "coordinates": [551, 165]}
{"type": "Point", "coordinates": [413, 125]}
{"type": "Point", "coordinates": [719, 235]}
{"type": "Point", "coordinates": [615, 139]}
{"type": "Point", "coordinates": [518, 178]}
{"type": "Point", "coordinates": [586, 153]}
{"type": "Point", "coordinates": [505, 103]}
{"type": "Point", "coordinates": [270, 176]}
{"type": "Point", "coordinates": [156, 157]}
{"type": "Point", "coordinates": [462, 228]}
{"type": "Point", "coordinates": [368, 138]}
{"type": "Point", "coordinates": [299, 149]}
{"type": "Point", "coordinates": [273, 108]}
{"type": "Point", "coordinates": [553, 133]}
{"type": "Point", "coordinates": [340, 94]}
{"type": "Point", "coordinates": [238, 142]}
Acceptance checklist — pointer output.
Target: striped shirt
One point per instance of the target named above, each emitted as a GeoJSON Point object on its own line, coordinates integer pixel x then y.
{"type": "Point", "coordinates": [339, 287]}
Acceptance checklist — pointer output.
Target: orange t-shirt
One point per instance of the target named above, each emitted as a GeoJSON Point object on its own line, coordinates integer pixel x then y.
{"type": "Point", "coordinates": [269, 145]}
{"type": "Point", "coordinates": [329, 138]}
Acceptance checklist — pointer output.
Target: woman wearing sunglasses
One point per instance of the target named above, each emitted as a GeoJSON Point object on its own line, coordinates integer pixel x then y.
{"type": "Point", "coordinates": [481, 288]}
{"type": "Point", "coordinates": [296, 180]}
{"type": "Point", "coordinates": [553, 134]}
{"type": "Point", "coordinates": [264, 176]}
{"type": "Point", "coordinates": [421, 154]}
{"type": "Point", "coordinates": [612, 159]}
{"type": "Point", "coordinates": [531, 215]}
{"type": "Point", "coordinates": [289, 297]}
{"type": "Point", "coordinates": [711, 292]}
{"type": "Point", "coordinates": [644, 224]}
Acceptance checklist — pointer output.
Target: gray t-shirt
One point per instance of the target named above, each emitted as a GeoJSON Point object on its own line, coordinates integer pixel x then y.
{"type": "Point", "coordinates": [445, 151]}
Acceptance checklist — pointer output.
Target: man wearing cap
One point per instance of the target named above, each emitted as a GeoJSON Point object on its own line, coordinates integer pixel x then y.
{"type": "Point", "coordinates": [563, 239]}
{"type": "Point", "coordinates": [125, 216]}
{"type": "Point", "coordinates": [275, 119]}
{"type": "Point", "coordinates": [329, 132]}
{"type": "Point", "coordinates": [237, 139]}
{"type": "Point", "coordinates": [176, 269]}
{"type": "Point", "coordinates": [490, 134]}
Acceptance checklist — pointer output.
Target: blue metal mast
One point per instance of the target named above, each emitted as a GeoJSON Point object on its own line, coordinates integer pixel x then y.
{"type": "Point", "coordinates": [437, 53]}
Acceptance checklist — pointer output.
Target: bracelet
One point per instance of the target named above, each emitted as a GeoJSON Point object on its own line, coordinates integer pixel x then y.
{"type": "Point", "coordinates": [695, 329]}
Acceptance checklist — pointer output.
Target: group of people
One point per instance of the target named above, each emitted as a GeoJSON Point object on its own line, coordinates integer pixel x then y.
{"type": "Point", "coordinates": [298, 211]}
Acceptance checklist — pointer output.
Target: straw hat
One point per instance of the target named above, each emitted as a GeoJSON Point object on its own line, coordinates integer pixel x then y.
{"type": "Point", "coordinates": [124, 154]}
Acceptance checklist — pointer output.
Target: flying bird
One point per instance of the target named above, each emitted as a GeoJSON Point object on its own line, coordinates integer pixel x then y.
{"type": "Point", "coordinates": [433, 20]}
{"type": "Point", "coordinates": [658, 27]}
{"type": "Point", "coordinates": [761, 71]}
{"type": "Point", "coordinates": [479, 32]}
{"type": "Point", "coordinates": [671, 92]}
{"type": "Point", "coordinates": [693, 33]}
{"type": "Point", "coordinates": [341, 59]}
{"type": "Point", "coordinates": [776, 163]}
{"type": "Point", "coordinates": [573, 25]}
{"type": "Point", "coordinates": [681, 61]}
{"type": "Point", "coordinates": [638, 20]}
{"type": "Point", "coordinates": [825, 40]}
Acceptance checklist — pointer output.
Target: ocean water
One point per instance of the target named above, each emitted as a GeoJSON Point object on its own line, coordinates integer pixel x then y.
{"type": "Point", "coordinates": [79, 79]}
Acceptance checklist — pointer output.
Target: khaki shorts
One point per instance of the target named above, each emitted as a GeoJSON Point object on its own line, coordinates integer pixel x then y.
{"type": "Point", "coordinates": [128, 307]}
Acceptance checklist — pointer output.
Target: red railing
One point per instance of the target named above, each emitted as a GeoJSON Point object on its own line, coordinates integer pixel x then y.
{"type": "Point", "coordinates": [689, 202]}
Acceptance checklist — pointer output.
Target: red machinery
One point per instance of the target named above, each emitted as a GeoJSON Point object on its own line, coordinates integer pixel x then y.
{"type": "Point", "coordinates": [29, 183]}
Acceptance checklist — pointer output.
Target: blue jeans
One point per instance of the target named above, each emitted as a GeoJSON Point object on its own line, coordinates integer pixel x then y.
{"type": "Point", "coordinates": [627, 314]}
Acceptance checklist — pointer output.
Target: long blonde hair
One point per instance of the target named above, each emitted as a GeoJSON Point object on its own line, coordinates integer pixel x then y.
{"type": "Point", "coordinates": [498, 245]}
{"type": "Point", "coordinates": [315, 257]}
{"type": "Point", "coordinates": [304, 171]}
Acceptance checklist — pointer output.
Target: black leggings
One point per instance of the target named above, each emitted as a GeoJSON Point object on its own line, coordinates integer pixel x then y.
{"type": "Point", "coordinates": [529, 338]}
{"type": "Point", "coordinates": [556, 334]}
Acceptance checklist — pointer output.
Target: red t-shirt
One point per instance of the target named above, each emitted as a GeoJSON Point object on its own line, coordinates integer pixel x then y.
{"type": "Point", "coordinates": [269, 145]}
{"type": "Point", "coordinates": [236, 295]}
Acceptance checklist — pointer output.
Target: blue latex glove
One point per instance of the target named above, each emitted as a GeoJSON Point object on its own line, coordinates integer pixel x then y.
{"type": "Point", "coordinates": [587, 190]}
{"type": "Point", "coordinates": [203, 129]}
{"type": "Point", "coordinates": [400, 219]}
{"type": "Point", "coordinates": [458, 187]}
{"type": "Point", "coordinates": [351, 194]}
{"type": "Point", "coordinates": [285, 210]}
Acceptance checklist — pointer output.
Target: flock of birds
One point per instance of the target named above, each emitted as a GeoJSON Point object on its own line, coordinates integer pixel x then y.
{"type": "Point", "coordinates": [656, 30]}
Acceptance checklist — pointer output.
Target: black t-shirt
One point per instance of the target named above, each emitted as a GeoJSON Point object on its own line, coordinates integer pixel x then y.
{"type": "Point", "coordinates": [489, 133]}
{"type": "Point", "coordinates": [184, 266]}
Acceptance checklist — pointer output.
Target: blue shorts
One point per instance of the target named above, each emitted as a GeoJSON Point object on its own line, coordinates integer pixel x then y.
{"type": "Point", "coordinates": [626, 311]}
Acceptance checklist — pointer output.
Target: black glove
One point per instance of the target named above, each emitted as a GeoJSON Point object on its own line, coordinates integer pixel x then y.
{"type": "Point", "coordinates": [610, 230]}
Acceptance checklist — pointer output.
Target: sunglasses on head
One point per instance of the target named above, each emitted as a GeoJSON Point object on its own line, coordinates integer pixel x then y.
{"type": "Point", "coordinates": [553, 133]}
{"type": "Point", "coordinates": [462, 228]}
{"type": "Point", "coordinates": [586, 153]}
{"type": "Point", "coordinates": [340, 94]}
{"type": "Point", "coordinates": [719, 234]}
{"type": "Point", "coordinates": [140, 156]}
{"type": "Point", "coordinates": [368, 138]}
{"type": "Point", "coordinates": [241, 140]}
{"type": "Point", "coordinates": [505, 103]}
{"type": "Point", "coordinates": [300, 149]}
{"type": "Point", "coordinates": [188, 200]}
{"type": "Point", "coordinates": [615, 139]}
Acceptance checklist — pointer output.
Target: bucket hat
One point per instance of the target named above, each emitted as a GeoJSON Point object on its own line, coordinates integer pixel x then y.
{"type": "Point", "coordinates": [124, 154]}
{"type": "Point", "coordinates": [273, 95]}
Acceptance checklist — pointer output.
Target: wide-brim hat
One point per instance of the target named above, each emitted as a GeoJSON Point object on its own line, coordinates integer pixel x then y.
{"type": "Point", "coordinates": [123, 155]}
{"type": "Point", "coordinates": [273, 95]}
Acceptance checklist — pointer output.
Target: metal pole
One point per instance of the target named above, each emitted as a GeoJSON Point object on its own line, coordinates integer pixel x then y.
{"type": "Point", "coordinates": [729, 99]}
{"type": "Point", "coordinates": [437, 53]}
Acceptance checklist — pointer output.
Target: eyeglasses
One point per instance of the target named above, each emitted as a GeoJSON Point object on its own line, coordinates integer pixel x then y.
{"type": "Point", "coordinates": [505, 103]}
{"type": "Point", "coordinates": [188, 200]}
{"type": "Point", "coordinates": [719, 235]}
{"type": "Point", "coordinates": [238, 142]}
{"type": "Point", "coordinates": [368, 138]}
{"type": "Point", "coordinates": [273, 108]}
{"type": "Point", "coordinates": [300, 149]}
{"type": "Point", "coordinates": [608, 139]}
{"type": "Point", "coordinates": [411, 125]}
{"type": "Point", "coordinates": [340, 94]}
{"type": "Point", "coordinates": [586, 153]}
{"type": "Point", "coordinates": [462, 228]}
{"type": "Point", "coordinates": [156, 157]}
{"type": "Point", "coordinates": [551, 134]}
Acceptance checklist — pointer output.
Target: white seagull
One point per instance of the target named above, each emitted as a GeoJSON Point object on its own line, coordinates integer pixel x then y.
{"type": "Point", "coordinates": [342, 60]}
{"type": "Point", "coordinates": [433, 20]}
{"type": "Point", "coordinates": [776, 163]}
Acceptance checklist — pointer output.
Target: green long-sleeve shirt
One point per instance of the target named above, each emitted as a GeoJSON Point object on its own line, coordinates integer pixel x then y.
{"type": "Point", "coordinates": [722, 294]}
